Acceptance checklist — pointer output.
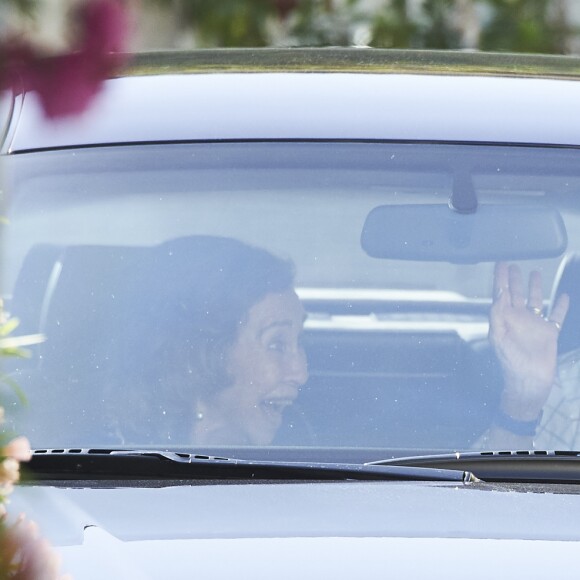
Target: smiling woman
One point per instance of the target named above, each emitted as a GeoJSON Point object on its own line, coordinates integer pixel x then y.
{"type": "Point", "coordinates": [216, 366]}
{"type": "Point", "coordinates": [267, 366]}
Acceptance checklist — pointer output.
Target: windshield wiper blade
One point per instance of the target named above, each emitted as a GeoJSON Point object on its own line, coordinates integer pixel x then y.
{"type": "Point", "coordinates": [503, 466]}
{"type": "Point", "coordinates": [131, 464]}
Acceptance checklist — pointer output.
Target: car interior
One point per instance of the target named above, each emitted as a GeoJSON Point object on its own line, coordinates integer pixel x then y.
{"type": "Point", "coordinates": [394, 255]}
{"type": "Point", "coordinates": [387, 386]}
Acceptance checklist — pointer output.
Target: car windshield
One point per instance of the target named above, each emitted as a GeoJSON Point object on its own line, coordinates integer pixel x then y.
{"type": "Point", "coordinates": [120, 257]}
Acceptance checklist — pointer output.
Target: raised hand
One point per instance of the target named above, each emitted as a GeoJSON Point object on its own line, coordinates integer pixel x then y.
{"type": "Point", "coordinates": [524, 341]}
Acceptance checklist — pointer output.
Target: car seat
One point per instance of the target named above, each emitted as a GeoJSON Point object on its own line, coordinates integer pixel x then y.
{"type": "Point", "coordinates": [73, 306]}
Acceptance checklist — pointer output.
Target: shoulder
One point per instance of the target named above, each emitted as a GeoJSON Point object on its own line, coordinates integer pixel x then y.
{"type": "Point", "coordinates": [569, 372]}
{"type": "Point", "coordinates": [560, 427]}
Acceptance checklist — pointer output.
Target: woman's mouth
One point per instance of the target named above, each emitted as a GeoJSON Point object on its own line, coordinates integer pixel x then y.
{"type": "Point", "coordinates": [277, 405]}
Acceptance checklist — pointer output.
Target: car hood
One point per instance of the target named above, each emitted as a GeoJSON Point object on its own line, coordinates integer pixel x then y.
{"type": "Point", "coordinates": [309, 530]}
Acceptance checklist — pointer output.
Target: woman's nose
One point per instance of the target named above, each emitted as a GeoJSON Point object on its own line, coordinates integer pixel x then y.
{"type": "Point", "coordinates": [297, 366]}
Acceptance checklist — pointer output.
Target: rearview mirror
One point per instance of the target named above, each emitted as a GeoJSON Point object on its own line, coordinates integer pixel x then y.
{"type": "Point", "coordinates": [434, 232]}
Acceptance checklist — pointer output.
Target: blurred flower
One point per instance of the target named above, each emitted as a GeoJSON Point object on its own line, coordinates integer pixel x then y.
{"type": "Point", "coordinates": [25, 555]}
{"type": "Point", "coordinates": [105, 25]}
{"type": "Point", "coordinates": [18, 448]}
{"type": "Point", "coordinates": [67, 83]}
{"type": "Point", "coordinates": [11, 455]}
{"type": "Point", "coordinates": [9, 475]}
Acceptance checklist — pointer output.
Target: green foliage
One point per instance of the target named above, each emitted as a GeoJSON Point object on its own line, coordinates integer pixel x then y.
{"type": "Point", "coordinates": [13, 346]}
{"type": "Point", "coordinates": [538, 26]}
{"type": "Point", "coordinates": [505, 25]}
{"type": "Point", "coordinates": [25, 7]}
{"type": "Point", "coordinates": [228, 23]}
{"type": "Point", "coordinates": [323, 22]}
{"type": "Point", "coordinates": [439, 32]}
{"type": "Point", "coordinates": [525, 26]}
{"type": "Point", "coordinates": [392, 26]}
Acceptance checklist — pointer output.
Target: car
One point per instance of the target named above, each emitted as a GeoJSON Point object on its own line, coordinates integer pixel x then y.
{"type": "Point", "coordinates": [355, 426]}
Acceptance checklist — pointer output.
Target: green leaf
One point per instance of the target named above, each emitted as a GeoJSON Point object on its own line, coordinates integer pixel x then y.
{"type": "Point", "coordinates": [15, 387]}
{"type": "Point", "coordinates": [9, 326]}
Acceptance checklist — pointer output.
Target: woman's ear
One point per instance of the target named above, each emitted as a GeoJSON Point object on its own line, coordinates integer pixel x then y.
{"type": "Point", "coordinates": [212, 362]}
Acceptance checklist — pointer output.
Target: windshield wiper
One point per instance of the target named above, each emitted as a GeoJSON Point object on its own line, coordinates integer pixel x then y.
{"type": "Point", "coordinates": [132, 464]}
{"type": "Point", "coordinates": [503, 466]}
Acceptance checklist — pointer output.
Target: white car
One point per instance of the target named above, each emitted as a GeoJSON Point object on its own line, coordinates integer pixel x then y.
{"type": "Point", "coordinates": [191, 417]}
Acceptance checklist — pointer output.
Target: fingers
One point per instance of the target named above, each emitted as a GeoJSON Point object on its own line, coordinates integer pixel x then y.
{"type": "Point", "coordinates": [500, 280]}
{"type": "Point", "coordinates": [509, 291]}
{"type": "Point", "coordinates": [516, 285]}
{"type": "Point", "coordinates": [509, 279]}
{"type": "Point", "coordinates": [559, 311]}
{"type": "Point", "coordinates": [501, 301]}
{"type": "Point", "coordinates": [535, 298]}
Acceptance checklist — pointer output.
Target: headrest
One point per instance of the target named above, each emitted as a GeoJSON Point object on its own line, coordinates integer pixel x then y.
{"type": "Point", "coordinates": [29, 295]}
{"type": "Point", "coordinates": [75, 296]}
{"type": "Point", "coordinates": [567, 281]}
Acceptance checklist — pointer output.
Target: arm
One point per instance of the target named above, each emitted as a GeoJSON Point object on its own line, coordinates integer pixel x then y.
{"type": "Point", "coordinates": [525, 344]}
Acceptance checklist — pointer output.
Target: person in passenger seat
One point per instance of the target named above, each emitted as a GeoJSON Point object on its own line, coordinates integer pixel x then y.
{"type": "Point", "coordinates": [540, 400]}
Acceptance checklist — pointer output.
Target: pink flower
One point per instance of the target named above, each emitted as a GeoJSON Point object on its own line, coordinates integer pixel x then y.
{"type": "Point", "coordinates": [10, 456]}
{"type": "Point", "coordinates": [105, 27]}
{"type": "Point", "coordinates": [25, 555]}
{"type": "Point", "coordinates": [67, 84]}
{"type": "Point", "coordinates": [18, 448]}
{"type": "Point", "coordinates": [9, 471]}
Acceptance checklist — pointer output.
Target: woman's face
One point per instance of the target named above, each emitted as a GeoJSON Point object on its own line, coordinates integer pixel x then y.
{"type": "Point", "coordinates": [268, 366]}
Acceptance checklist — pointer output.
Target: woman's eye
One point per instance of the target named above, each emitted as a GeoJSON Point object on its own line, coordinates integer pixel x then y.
{"type": "Point", "coordinates": [277, 345]}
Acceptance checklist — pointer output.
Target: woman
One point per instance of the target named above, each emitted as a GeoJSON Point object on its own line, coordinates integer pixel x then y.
{"type": "Point", "coordinates": [526, 345]}
{"type": "Point", "coordinates": [217, 358]}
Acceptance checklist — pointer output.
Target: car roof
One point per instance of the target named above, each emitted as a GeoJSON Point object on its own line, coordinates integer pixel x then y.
{"type": "Point", "coordinates": [312, 94]}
